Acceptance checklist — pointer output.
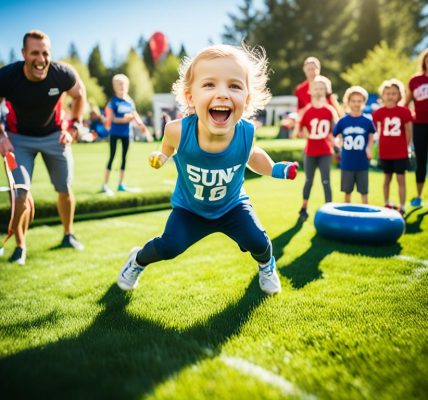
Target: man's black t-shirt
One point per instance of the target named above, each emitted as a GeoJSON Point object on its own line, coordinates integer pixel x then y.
{"type": "Point", "coordinates": [34, 107]}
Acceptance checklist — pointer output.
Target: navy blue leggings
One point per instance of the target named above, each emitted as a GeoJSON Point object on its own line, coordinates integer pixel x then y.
{"type": "Point", "coordinates": [420, 141]}
{"type": "Point", "coordinates": [113, 145]}
{"type": "Point", "coordinates": [185, 228]}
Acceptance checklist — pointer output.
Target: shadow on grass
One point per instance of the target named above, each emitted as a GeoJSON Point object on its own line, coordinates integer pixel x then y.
{"type": "Point", "coordinates": [415, 227]}
{"type": "Point", "coordinates": [305, 268]}
{"type": "Point", "coordinates": [21, 327]}
{"type": "Point", "coordinates": [120, 355]}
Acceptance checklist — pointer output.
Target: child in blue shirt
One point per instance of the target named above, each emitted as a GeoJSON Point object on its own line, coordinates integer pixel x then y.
{"type": "Point", "coordinates": [356, 132]}
{"type": "Point", "coordinates": [120, 114]}
{"type": "Point", "coordinates": [211, 148]}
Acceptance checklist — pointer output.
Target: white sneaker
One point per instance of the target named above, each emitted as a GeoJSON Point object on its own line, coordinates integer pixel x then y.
{"type": "Point", "coordinates": [129, 274]}
{"type": "Point", "coordinates": [268, 278]}
{"type": "Point", "coordinates": [107, 190]}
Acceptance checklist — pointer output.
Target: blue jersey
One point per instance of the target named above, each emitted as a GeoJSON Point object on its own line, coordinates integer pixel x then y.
{"type": "Point", "coordinates": [355, 132]}
{"type": "Point", "coordinates": [210, 184]}
{"type": "Point", "coordinates": [120, 107]}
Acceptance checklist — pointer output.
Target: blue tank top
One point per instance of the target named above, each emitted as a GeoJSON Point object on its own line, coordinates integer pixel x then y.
{"type": "Point", "coordinates": [120, 107]}
{"type": "Point", "coordinates": [210, 184]}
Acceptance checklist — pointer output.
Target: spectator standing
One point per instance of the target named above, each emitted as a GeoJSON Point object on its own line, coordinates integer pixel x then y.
{"type": "Point", "coordinates": [33, 89]}
{"type": "Point", "coordinates": [418, 93]}
{"type": "Point", "coordinates": [120, 113]}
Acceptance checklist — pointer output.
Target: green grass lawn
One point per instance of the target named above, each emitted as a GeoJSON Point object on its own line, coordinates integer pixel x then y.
{"type": "Point", "coordinates": [90, 161]}
{"type": "Point", "coordinates": [350, 323]}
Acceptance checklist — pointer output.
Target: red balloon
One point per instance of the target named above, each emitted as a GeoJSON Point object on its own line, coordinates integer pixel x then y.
{"type": "Point", "coordinates": [158, 45]}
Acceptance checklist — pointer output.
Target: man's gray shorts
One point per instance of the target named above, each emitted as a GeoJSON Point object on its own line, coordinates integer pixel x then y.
{"type": "Point", "coordinates": [58, 158]}
{"type": "Point", "coordinates": [350, 178]}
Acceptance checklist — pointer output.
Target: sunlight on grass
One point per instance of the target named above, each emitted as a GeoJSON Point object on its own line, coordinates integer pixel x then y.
{"type": "Point", "coordinates": [351, 321]}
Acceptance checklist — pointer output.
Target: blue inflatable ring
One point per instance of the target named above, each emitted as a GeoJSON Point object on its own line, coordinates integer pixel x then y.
{"type": "Point", "coordinates": [360, 223]}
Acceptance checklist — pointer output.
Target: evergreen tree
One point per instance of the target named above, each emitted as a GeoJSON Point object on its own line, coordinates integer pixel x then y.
{"type": "Point", "coordinates": [99, 71]}
{"type": "Point", "coordinates": [141, 44]}
{"type": "Point", "coordinates": [367, 33]}
{"type": "Point", "coordinates": [148, 59]}
{"type": "Point", "coordinates": [291, 30]}
{"type": "Point", "coordinates": [166, 74]}
{"type": "Point", "coordinates": [12, 56]}
{"type": "Point", "coordinates": [182, 53]}
{"type": "Point", "coordinates": [383, 62]}
{"type": "Point", "coordinates": [140, 87]}
{"type": "Point", "coordinates": [242, 26]}
{"type": "Point", "coordinates": [96, 66]}
{"type": "Point", "coordinates": [338, 32]}
{"type": "Point", "coordinates": [114, 57]}
{"type": "Point", "coordinates": [94, 92]}
{"type": "Point", "coordinates": [404, 23]}
{"type": "Point", "coordinates": [72, 52]}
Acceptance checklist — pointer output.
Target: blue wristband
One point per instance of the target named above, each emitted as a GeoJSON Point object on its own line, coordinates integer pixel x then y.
{"type": "Point", "coordinates": [278, 171]}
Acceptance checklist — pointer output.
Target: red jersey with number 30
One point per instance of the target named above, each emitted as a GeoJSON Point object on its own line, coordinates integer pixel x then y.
{"type": "Point", "coordinates": [319, 123]}
{"type": "Point", "coordinates": [390, 123]}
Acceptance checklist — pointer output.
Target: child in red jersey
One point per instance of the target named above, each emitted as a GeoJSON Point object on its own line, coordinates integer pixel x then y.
{"type": "Point", "coordinates": [393, 123]}
{"type": "Point", "coordinates": [317, 124]}
{"type": "Point", "coordinates": [312, 69]}
{"type": "Point", "coordinates": [418, 94]}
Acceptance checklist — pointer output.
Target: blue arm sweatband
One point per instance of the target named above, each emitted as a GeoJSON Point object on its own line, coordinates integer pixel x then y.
{"type": "Point", "coordinates": [279, 171]}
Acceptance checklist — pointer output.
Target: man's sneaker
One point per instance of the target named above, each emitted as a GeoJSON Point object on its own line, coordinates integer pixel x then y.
{"type": "Point", "coordinates": [18, 256]}
{"type": "Point", "coordinates": [390, 205]}
{"type": "Point", "coordinates": [121, 188]}
{"type": "Point", "coordinates": [303, 214]}
{"type": "Point", "coordinates": [268, 278]}
{"type": "Point", "coordinates": [416, 202]}
{"type": "Point", "coordinates": [402, 211]}
{"type": "Point", "coordinates": [130, 272]}
{"type": "Point", "coordinates": [71, 241]}
{"type": "Point", "coordinates": [107, 190]}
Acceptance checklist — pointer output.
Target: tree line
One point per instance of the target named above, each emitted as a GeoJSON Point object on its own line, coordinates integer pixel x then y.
{"type": "Point", "coordinates": [342, 34]}
{"type": "Point", "coordinates": [358, 42]}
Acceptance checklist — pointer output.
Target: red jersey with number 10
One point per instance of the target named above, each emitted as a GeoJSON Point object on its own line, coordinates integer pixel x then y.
{"type": "Point", "coordinates": [319, 123]}
{"type": "Point", "coordinates": [390, 123]}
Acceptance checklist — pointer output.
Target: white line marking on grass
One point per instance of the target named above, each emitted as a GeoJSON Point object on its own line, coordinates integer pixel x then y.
{"type": "Point", "coordinates": [264, 375]}
{"type": "Point", "coordinates": [412, 259]}
{"type": "Point", "coordinates": [417, 272]}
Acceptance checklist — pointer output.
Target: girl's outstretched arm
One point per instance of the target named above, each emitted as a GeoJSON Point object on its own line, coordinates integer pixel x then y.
{"type": "Point", "coordinates": [170, 143]}
{"type": "Point", "coordinates": [261, 163]}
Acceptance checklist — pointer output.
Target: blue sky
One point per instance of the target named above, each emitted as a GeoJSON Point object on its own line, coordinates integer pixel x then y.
{"type": "Point", "coordinates": [114, 24]}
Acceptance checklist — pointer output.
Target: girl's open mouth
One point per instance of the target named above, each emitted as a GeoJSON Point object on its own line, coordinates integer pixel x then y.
{"type": "Point", "coordinates": [220, 114]}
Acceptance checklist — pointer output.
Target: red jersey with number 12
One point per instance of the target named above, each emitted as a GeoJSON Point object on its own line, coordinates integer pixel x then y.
{"type": "Point", "coordinates": [390, 123]}
{"type": "Point", "coordinates": [318, 122]}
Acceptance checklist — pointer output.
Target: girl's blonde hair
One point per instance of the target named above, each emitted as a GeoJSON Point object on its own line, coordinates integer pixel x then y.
{"type": "Point", "coordinates": [254, 62]}
{"type": "Point", "coordinates": [422, 58]}
{"type": "Point", "coordinates": [392, 83]}
{"type": "Point", "coordinates": [352, 90]}
{"type": "Point", "coordinates": [120, 78]}
{"type": "Point", "coordinates": [326, 82]}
